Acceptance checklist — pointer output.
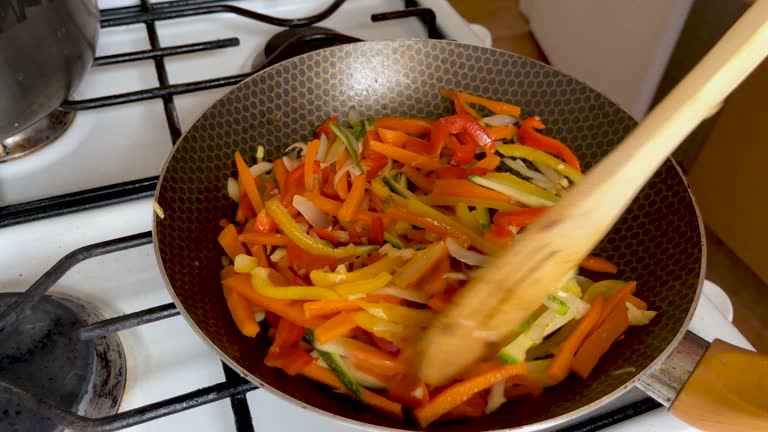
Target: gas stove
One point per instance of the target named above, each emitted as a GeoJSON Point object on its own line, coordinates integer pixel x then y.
{"type": "Point", "coordinates": [81, 230]}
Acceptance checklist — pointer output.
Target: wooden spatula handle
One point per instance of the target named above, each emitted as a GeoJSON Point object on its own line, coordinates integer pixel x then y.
{"type": "Point", "coordinates": [728, 391]}
{"type": "Point", "coordinates": [518, 281]}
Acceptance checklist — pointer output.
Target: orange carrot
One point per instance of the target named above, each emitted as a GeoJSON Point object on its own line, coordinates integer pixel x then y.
{"type": "Point", "coordinates": [288, 334]}
{"type": "Point", "coordinates": [597, 344]}
{"type": "Point", "coordinates": [265, 239]}
{"type": "Point", "coordinates": [423, 182]}
{"type": "Point", "coordinates": [352, 204]}
{"type": "Point", "coordinates": [461, 107]}
{"type": "Point", "coordinates": [258, 251]}
{"type": "Point", "coordinates": [401, 214]}
{"type": "Point", "coordinates": [598, 264]}
{"type": "Point", "coordinates": [561, 364]}
{"type": "Point", "coordinates": [393, 137]}
{"type": "Point", "coordinates": [489, 162]}
{"type": "Point", "coordinates": [292, 311]}
{"type": "Point", "coordinates": [467, 189]}
{"type": "Point", "coordinates": [309, 168]}
{"type": "Point", "coordinates": [244, 209]}
{"type": "Point", "coordinates": [318, 308]}
{"type": "Point", "coordinates": [291, 360]}
{"type": "Point", "coordinates": [242, 312]}
{"type": "Point", "coordinates": [372, 358]}
{"type": "Point", "coordinates": [438, 283]}
{"type": "Point", "coordinates": [248, 183]}
{"type": "Point", "coordinates": [404, 156]}
{"type": "Point", "coordinates": [457, 393]}
{"type": "Point", "coordinates": [326, 205]}
{"type": "Point", "coordinates": [636, 302]}
{"type": "Point", "coordinates": [474, 407]}
{"type": "Point", "coordinates": [617, 301]}
{"type": "Point", "coordinates": [502, 132]}
{"type": "Point", "coordinates": [337, 326]}
{"type": "Point", "coordinates": [230, 242]}
{"type": "Point", "coordinates": [406, 389]}
{"type": "Point", "coordinates": [223, 223]}
{"type": "Point", "coordinates": [409, 125]}
{"type": "Point", "coordinates": [325, 376]}
{"type": "Point", "coordinates": [227, 272]}
{"type": "Point", "coordinates": [495, 106]}
{"type": "Point", "coordinates": [342, 185]}
{"type": "Point", "coordinates": [281, 172]}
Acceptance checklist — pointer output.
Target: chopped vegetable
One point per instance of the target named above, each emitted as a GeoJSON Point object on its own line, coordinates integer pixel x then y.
{"type": "Point", "coordinates": [538, 156]}
{"type": "Point", "coordinates": [242, 312]}
{"type": "Point", "coordinates": [598, 343]}
{"type": "Point", "coordinates": [516, 188]}
{"type": "Point", "coordinates": [530, 137]}
{"type": "Point", "coordinates": [599, 265]}
{"type": "Point", "coordinates": [349, 142]}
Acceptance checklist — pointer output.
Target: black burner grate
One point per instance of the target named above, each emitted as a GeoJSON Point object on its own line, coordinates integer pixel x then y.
{"type": "Point", "coordinates": [148, 13]}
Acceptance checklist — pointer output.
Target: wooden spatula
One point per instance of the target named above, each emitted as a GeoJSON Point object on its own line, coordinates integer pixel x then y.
{"type": "Point", "coordinates": [519, 280]}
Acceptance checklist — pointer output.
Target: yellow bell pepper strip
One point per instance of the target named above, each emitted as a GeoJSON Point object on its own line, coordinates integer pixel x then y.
{"type": "Point", "coordinates": [534, 155]}
{"type": "Point", "coordinates": [397, 213]}
{"type": "Point", "coordinates": [404, 156]}
{"type": "Point", "coordinates": [364, 286]}
{"type": "Point", "coordinates": [329, 279]}
{"type": "Point", "coordinates": [409, 201]}
{"type": "Point", "coordinates": [528, 136]}
{"type": "Point", "coordinates": [380, 327]}
{"type": "Point", "coordinates": [465, 216]}
{"type": "Point", "coordinates": [242, 312]}
{"type": "Point", "coordinates": [455, 124]}
{"type": "Point", "coordinates": [420, 264]}
{"type": "Point", "coordinates": [495, 106]}
{"type": "Point", "coordinates": [517, 188]}
{"type": "Point", "coordinates": [310, 244]}
{"type": "Point", "coordinates": [248, 183]}
{"type": "Point", "coordinates": [262, 285]}
{"type": "Point", "coordinates": [410, 125]}
{"type": "Point", "coordinates": [440, 200]}
{"type": "Point", "coordinates": [349, 142]}
{"type": "Point", "coordinates": [399, 314]}
{"type": "Point", "coordinates": [420, 180]}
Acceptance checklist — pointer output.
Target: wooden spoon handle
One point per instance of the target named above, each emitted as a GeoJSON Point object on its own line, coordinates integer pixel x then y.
{"type": "Point", "coordinates": [506, 292]}
{"type": "Point", "coordinates": [728, 390]}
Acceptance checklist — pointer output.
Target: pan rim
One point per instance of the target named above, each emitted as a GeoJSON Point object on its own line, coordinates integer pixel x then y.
{"type": "Point", "coordinates": [538, 426]}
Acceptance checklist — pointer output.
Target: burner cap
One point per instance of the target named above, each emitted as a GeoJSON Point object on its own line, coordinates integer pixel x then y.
{"type": "Point", "coordinates": [43, 354]}
{"type": "Point", "coordinates": [40, 134]}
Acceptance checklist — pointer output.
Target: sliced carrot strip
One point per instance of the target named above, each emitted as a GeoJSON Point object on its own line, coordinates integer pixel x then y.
{"type": "Point", "coordinates": [248, 183]}
{"type": "Point", "coordinates": [318, 308]}
{"type": "Point", "coordinates": [409, 125]}
{"type": "Point", "coordinates": [489, 162]}
{"type": "Point", "coordinates": [288, 334]}
{"type": "Point", "coordinates": [636, 302]}
{"type": "Point", "coordinates": [404, 156]}
{"type": "Point", "coordinates": [352, 204]}
{"type": "Point", "coordinates": [291, 360]}
{"type": "Point", "coordinates": [502, 132]}
{"type": "Point", "coordinates": [326, 205]}
{"type": "Point", "coordinates": [600, 265]}
{"type": "Point", "coordinates": [325, 376]}
{"type": "Point", "coordinates": [265, 239]}
{"type": "Point", "coordinates": [420, 180]}
{"type": "Point", "coordinates": [242, 312]}
{"type": "Point", "coordinates": [596, 345]}
{"type": "Point", "coordinates": [372, 357]}
{"type": "Point", "coordinates": [495, 106]}
{"type": "Point", "coordinates": [292, 311]}
{"type": "Point", "coordinates": [340, 325]}
{"type": "Point", "coordinates": [229, 241]}
{"type": "Point", "coordinates": [401, 214]}
{"type": "Point", "coordinates": [617, 301]}
{"type": "Point", "coordinates": [309, 168]}
{"type": "Point", "coordinates": [561, 364]}
{"type": "Point", "coordinates": [457, 393]}
{"type": "Point", "coordinates": [467, 189]}
{"type": "Point", "coordinates": [227, 272]}
{"type": "Point", "coordinates": [281, 172]}
{"type": "Point", "coordinates": [260, 254]}
{"type": "Point", "coordinates": [393, 137]}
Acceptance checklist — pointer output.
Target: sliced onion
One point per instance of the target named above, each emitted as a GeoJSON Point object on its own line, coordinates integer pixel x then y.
{"type": "Point", "coordinates": [348, 166]}
{"type": "Point", "coordinates": [233, 189]}
{"type": "Point", "coordinates": [316, 217]}
{"type": "Point", "coordinates": [259, 315]}
{"type": "Point", "coordinates": [278, 254]}
{"type": "Point", "coordinates": [322, 151]}
{"type": "Point", "coordinates": [499, 120]}
{"type": "Point", "coordinates": [335, 151]}
{"type": "Point", "coordinates": [354, 116]}
{"type": "Point", "coordinates": [390, 250]}
{"type": "Point", "coordinates": [302, 226]}
{"type": "Point", "coordinates": [260, 168]}
{"type": "Point", "coordinates": [302, 147]}
{"type": "Point", "coordinates": [290, 163]}
{"type": "Point", "coordinates": [259, 153]}
{"type": "Point", "coordinates": [343, 236]}
{"type": "Point", "coordinates": [465, 255]}
{"type": "Point", "coordinates": [414, 296]}
{"type": "Point", "coordinates": [548, 172]}
{"type": "Point", "coordinates": [455, 276]}
{"type": "Point", "coordinates": [519, 166]}
{"type": "Point", "coordinates": [495, 397]}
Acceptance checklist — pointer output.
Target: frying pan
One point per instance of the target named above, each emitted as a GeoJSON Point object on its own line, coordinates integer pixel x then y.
{"type": "Point", "coordinates": [659, 241]}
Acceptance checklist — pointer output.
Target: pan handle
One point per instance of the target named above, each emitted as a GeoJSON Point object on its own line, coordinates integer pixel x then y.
{"type": "Point", "coordinates": [728, 390]}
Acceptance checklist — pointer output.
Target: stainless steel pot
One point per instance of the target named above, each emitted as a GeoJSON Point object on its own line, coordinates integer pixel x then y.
{"type": "Point", "coordinates": [46, 46]}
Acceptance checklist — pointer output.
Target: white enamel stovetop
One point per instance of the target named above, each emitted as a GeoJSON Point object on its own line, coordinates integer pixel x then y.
{"type": "Point", "coordinates": [128, 142]}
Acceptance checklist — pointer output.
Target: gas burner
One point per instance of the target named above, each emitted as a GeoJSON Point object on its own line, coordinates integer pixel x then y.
{"type": "Point", "coordinates": [40, 134]}
{"type": "Point", "coordinates": [47, 357]}
{"type": "Point", "coordinates": [297, 41]}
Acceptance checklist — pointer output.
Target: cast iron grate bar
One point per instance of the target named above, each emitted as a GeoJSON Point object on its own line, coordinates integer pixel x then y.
{"type": "Point", "coordinates": [132, 10]}
{"type": "Point", "coordinates": [239, 403]}
{"type": "Point", "coordinates": [165, 52]}
{"type": "Point", "coordinates": [129, 320]}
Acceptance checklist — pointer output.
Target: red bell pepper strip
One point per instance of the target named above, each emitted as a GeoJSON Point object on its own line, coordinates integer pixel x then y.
{"type": "Point", "coordinates": [518, 218]}
{"type": "Point", "coordinates": [455, 124]}
{"type": "Point", "coordinates": [530, 137]}
{"type": "Point", "coordinates": [325, 128]}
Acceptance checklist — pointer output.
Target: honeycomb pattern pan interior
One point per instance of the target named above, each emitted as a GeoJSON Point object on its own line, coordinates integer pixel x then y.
{"type": "Point", "coordinates": [657, 242]}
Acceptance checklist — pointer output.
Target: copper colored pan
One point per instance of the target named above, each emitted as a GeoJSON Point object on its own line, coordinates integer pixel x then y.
{"type": "Point", "coordinates": [658, 242]}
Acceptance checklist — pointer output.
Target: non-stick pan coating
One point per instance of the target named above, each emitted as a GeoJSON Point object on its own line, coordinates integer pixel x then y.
{"type": "Point", "coordinates": [658, 241]}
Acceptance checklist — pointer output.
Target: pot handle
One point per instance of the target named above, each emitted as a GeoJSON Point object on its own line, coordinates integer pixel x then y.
{"type": "Point", "coordinates": [728, 390]}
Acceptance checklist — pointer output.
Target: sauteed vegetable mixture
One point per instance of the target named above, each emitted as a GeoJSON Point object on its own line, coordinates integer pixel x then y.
{"type": "Point", "coordinates": [343, 251]}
